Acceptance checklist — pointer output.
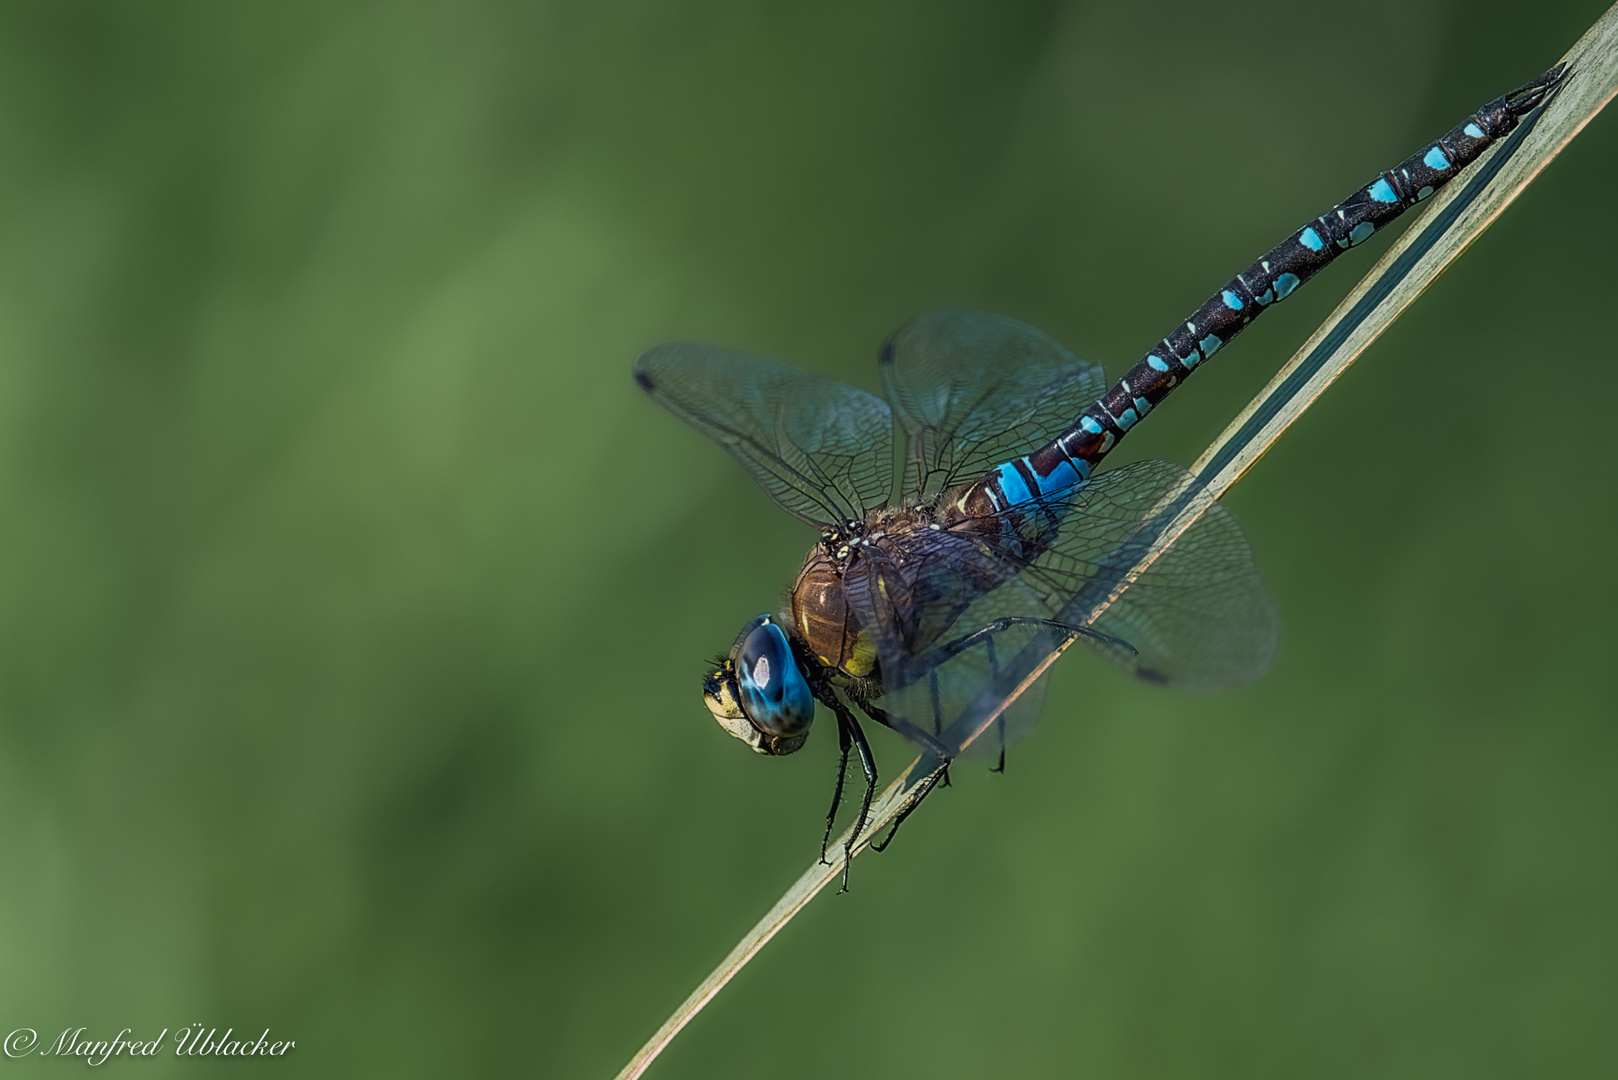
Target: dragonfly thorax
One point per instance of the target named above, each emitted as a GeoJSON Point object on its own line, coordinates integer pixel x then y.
{"type": "Point", "coordinates": [825, 625]}
{"type": "Point", "coordinates": [821, 617]}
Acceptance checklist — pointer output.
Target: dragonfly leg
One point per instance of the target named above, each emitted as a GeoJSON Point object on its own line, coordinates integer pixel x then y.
{"type": "Point", "coordinates": [984, 635]}
{"type": "Point", "coordinates": [913, 733]}
{"type": "Point", "coordinates": [934, 658]}
{"type": "Point", "coordinates": [868, 764]}
{"type": "Point", "coordinates": [846, 743]}
{"type": "Point", "coordinates": [909, 731]}
{"type": "Point", "coordinates": [922, 792]}
{"type": "Point", "coordinates": [938, 709]}
{"type": "Point", "coordinates": [938, 715]}
{"type": "Point", "coordinates": [999, 721]}
{"type": "Point", "coordinates": [852, 732]}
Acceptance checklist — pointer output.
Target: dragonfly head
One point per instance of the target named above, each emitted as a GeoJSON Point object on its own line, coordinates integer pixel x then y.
{"type": "Point", "coordinates": [758, 693]}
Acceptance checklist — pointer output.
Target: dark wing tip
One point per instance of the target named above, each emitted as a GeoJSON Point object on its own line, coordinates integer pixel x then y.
{"type": "Point", "coordinates": [644, 365]}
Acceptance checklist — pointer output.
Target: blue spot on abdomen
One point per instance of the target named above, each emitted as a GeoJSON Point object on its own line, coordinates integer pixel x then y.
{"type": "Point", "coordinates": [1311, 240]}
{"type": "Point", "coordinates": [1382, 191]}
{"type": "Point", "coordinates": [1284, 286]}
{"type": "Point", "coordinates": [1232, 301]}
{"type": "Point", "coordinates": [1473, 131]}
{"type": "Point", "coordinates": [1435, 159]}
{"type": "Point", "coordinates": [1012, 483]}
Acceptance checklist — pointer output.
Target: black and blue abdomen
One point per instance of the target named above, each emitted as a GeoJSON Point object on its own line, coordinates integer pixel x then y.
{"type": "Point", "coordinates": [1070, 458]}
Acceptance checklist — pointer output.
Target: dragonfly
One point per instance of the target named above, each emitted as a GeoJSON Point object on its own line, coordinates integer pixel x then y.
{"type": "Point", "coordinates": [963, 512]}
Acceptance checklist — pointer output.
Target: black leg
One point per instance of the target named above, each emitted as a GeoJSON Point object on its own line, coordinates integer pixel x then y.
{"type": "Point", "coordinates": [935, 658]}
{"type": "Point", "coordinates": [937, 716]}
{"type": "Point", "coordinates": [938, 708]}
{"type": "Point", "coordinates": [922, 792]}
{"type": "Point", "coordinates": [850, 727]}
{"type": "Point", "coordinates": [837, 792]}
{"type": "Point", "coordinates": [868, 763]}
{"type": "Point", "coordinates": [999, 721]}
{"type": "Point", "coordinates": [908, 730]}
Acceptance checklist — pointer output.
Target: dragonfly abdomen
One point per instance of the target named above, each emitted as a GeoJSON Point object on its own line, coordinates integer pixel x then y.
{"type": "Point", "coordinates": [1069, 458]}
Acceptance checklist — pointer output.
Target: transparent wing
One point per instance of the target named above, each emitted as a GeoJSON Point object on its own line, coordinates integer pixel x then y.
{"type": "Point", "coordinates": [1199, 618]}
{"type": "Point", "coordinates": [823, 450]}
{"type": "Point", "coordinates": [970, 390]}
{"type": "Point", "coordinates": [938, 687]}
{"type": "Point", "coordinates": [949, 607]}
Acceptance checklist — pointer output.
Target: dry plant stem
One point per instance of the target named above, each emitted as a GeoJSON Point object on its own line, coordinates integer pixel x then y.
{"type": "Point", "coordinates": [1456, 217]}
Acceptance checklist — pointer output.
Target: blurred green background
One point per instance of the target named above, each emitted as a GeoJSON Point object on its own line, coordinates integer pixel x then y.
{"type": "Point", "coordinates": [353, 602]}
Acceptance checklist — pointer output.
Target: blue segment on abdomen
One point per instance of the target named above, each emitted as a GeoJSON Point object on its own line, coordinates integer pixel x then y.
{"type": "Point", "coordinates": [1065, 475]}
{"type": "Point", "coordinates": [1012, 483]}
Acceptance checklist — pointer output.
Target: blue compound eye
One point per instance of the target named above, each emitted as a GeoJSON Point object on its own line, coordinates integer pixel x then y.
{"type": "Point", "coordinates": [773, 691]}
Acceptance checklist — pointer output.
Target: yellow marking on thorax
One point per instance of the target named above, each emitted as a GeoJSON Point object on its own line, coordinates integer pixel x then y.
{"type": "Point", "coordinates": [862, 661]}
